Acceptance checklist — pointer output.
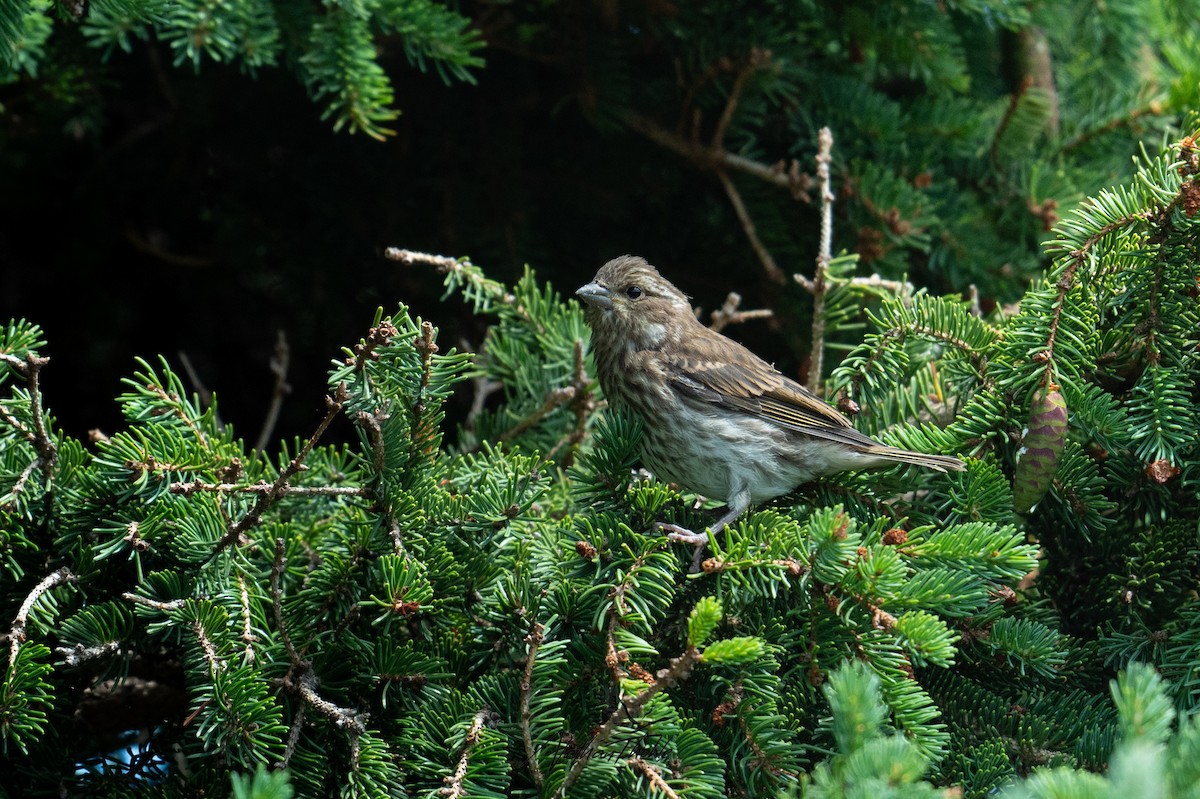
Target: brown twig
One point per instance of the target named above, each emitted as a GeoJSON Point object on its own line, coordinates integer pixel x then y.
{"type": "Point", "coordinates": [343, 717]}
{"type": "Point", "coordinates": [1013, 103]}
{"type": "Point", "coordinates": [248, 636]}
{"type": "Point", "coordinates": [708, 158]}
{"type": "Point", "coordinates": [277, 489]}
{"type": "Point", "coordinates": [654, 776]}
{"type": "Point", "coordinates": [372, 423]}
{"type": "Point", "coordinates": [279, 367]}
{"type": "Point", "coordinates": [165, 607]}
{"type": "Point", "coordinates": [680, 668]}
{"type": "Point", "coordinates": [758, 59]}
{"type": "Point", "coordinates": [534, 640]}
{"type": "Point", "coordinates": [583, 404]}
{"type": "Point", "coordinates": [277, 569]}
{"type": "Point", "coordinates": [824, 256]}
{"type": "Point", "coordinates": [202, 391]}
{"type": "Point", "coordinates": [555, 397]}
{"type": "Point", "coordinates": [454, 784]}
{"type": "Point", "coordinates": [728, 314]}
{"type": "Point", "coordinates": [293, 737]}
{"type": "Point", "coordinates": [47, 451]}
{"type": "Point", "coordinates": [22, 478]}
{"type": "Point", "coordinates": [764, 256]}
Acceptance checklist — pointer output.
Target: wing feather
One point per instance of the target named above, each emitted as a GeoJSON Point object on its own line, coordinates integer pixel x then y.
{"type": "Point", "coordinates": [718, 370]}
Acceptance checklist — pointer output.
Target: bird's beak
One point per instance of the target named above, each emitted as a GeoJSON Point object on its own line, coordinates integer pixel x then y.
{"type": "Point", "coordinates": [596, 295]}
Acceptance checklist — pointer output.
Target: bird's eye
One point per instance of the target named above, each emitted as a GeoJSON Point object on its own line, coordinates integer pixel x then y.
{"type": "Point", "coordinates": [633, 292]}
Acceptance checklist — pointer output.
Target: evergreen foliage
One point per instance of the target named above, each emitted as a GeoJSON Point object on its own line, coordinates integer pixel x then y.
{"type": "Point", "coordinates": [499, 616]}
{"type": "Point", "coordinates": [495, 614]}
{"type": "Point", "coordinates": [332, 45]}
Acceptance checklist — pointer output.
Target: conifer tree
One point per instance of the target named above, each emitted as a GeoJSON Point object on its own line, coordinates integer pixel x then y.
{"type": "Point", "coordinates": [498, 616]}
{"type": "Point", "coordinates": [386, 607]}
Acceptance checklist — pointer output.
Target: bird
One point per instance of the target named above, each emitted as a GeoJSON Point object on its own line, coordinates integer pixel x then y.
{"type": "Point", "coordinates": [717, 420]}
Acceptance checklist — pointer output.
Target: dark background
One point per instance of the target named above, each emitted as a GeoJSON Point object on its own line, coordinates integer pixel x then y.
{"type": "Point", "coordinates": [176, 212]}
{"type": "Point", "coordinates": [155, 209]}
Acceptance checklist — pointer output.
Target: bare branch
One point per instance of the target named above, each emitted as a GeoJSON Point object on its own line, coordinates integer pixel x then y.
{"type": "Point", "coordinates": [165, 607]}
{"type": "Point", "coordinates": [583, 404]}
{"type": "Point", "coordinates": [680, 668]}
{"type": "Point", "coordinates": [824, 256]}
{"type": "Point", "coordinates": [279, 367]}
{"type": "Point", "coordinates": [187, 489]}
{"type": "Point", "coordinates": [654, 776]}
{"type": "Point", "coordinates": [269, 497]}
{"type": "Point", "coordinates": [728, 314]}
{"type": "Point", "coordinates": [16, 633]}
{"type": "Point", "coordinates": [277, 605]}
{"type": "Point", "coordinates": [764, 256]}
{"type": "Point", "coordinates": [554, 398]}
{"type": "Point", "coordinates": [708, 158]}
{"type": "Point", "coordinates": [454, 784]}
{"type": "Point", "coordinates": [534, 639]}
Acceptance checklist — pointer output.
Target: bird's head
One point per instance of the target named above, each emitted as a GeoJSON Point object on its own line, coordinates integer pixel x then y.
{"type": "Point", "coordinates": [630, 301]}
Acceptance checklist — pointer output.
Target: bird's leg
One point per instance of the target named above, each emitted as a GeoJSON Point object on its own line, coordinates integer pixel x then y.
{"type": "Point", "coordinates": [738, 503]}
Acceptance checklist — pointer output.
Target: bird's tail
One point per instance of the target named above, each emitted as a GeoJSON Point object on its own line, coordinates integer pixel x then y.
{"type": "Point", "coordinates": [942, 463]}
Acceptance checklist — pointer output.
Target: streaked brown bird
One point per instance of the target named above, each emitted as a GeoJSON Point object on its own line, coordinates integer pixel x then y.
{"type": "Point", "coordinates": [717, 419]}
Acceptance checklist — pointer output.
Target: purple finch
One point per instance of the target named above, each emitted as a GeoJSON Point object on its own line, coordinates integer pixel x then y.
{"type": "Point", "coordinates": [717, 419]}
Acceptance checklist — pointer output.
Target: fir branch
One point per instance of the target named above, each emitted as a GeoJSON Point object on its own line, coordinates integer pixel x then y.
{"type": "Point", "coordinates": [612, 658]}
{"type": "Point", "coordinates": [376, 337]}
{"type": "Point", "coordinates": [165, 607]}
{"type": "Point", "coordinates": [534, 639]}
{"type": "Point", "coordinates": [301, 679]}
{"type": "Point", "coordinates": [1066, 281]}
{"type": "Point", "coordinates": [679, 669]}
{"type": "Point", "coordinates": [75, 655]}
{"type": "Point", "coordinates": [43, 443]}
{"type": "Point", "coordinates": [583, 405]}
{"type": "Point", "coordinates": [343, 718]}
{"type": "Point", "coordinates": [555, 397]}
{"type": "Point", "coordinates": [461, 269]}
{"type": "Point", "coordinates": [133, 537]}
{"type": "Point", "coordinates": [22, 479]}
{"type": "Point", "coordinates": [454, 784]}
{"type": "Point", "coordinates": [172, 400]}
{"type": "Point", "coordinates": [293, 737]}
{"type": "Point", "coordinates": [16, 633]}
{"type": "Point", "coordinates": [654, 776]}
{"type": "Point", "coordinates": [372, 424]}
{"type": "Point", "coordinates": [196, 487]}
{"type": "Point", "coordinates": [277, 568]}
{"type": "Point", "coordinates": [248, 636]}
{"type": "Point", "coordinates": [1153, 108]}
{"type": "Point", "coordinates": [824, 256]}
{"type": "Point", "coordinates": [31, 367]}
{"type": "Point", "coordinates": [269, 497]}
{"type": "Point", "coordinates": [426, 348]}
{"type": "Point", "coordinates": [215, 662]}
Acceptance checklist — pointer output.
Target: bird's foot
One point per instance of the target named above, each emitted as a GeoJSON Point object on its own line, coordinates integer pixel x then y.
{"type": "Point", "coordinates": [676, 533]}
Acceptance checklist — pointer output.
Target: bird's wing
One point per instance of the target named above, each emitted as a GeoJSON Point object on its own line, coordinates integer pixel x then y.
{"type": "Point", "coordinates": [714, 369]}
